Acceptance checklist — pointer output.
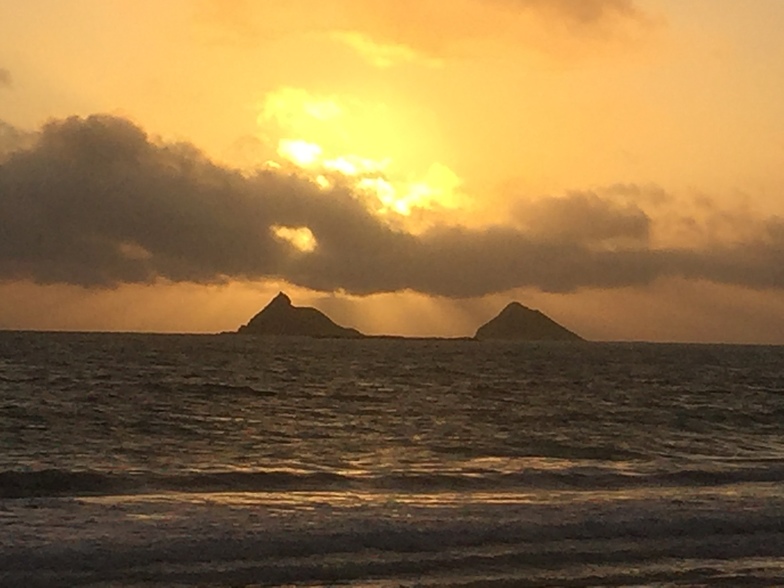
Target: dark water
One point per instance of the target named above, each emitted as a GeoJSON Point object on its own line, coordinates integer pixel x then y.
{"type": "Point", "coordinates": [223, 460]}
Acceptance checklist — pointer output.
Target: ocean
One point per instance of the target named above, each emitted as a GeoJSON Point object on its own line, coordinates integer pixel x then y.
{"type": "Point", "coordinates": [217, 460]}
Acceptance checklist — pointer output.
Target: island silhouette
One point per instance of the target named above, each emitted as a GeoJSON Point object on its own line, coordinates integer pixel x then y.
{"type": "Point", "coordinates": [281, 317]}
{"type": "Point", "coordinates": [514, 323]}
{"type": "Point", "coordinates": [520, 323]}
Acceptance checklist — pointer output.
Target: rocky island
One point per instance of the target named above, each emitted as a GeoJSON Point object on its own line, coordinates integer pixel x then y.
{"type": "Point", "coordinates": [280, 317]}
{"type": "Point", "coordinates": [520, 323]}
{"type": "Point", "coordinates": [515, 322]}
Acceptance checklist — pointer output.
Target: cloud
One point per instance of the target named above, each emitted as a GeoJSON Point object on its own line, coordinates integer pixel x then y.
{"type": "Point", "coordinates": [582, 12]}
{"type": "Point", "coordinates": [13, 139]}
{"type": "Point", "coordinates": [95, 202]}
{"type": "Point", "coordinates": [5, 78]}
{"type": "Point", "coordinates": [384, 55]}
{"type": "Point", "coordinates": [388, 33]}
{"type": "Point", "coordinates": [585, 217]}
{"type": "Point", "coordinates": [572, 31]}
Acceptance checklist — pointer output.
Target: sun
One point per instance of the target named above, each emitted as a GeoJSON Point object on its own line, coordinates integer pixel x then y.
{"type": "Point", "coordinates": [300, 152]}
{"type": "Point", "coordinates": [342, 139]}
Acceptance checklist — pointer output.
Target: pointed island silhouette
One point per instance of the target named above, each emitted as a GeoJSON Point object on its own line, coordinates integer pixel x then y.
{"type": "Point", "coordinates": [515, 322]}
{"type": "Point", "coordinates": [280, 317]}
{"type": "Point", "coordinates": [520, 323]}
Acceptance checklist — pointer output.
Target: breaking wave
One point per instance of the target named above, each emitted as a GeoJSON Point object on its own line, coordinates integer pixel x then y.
{"type": "Point", "coordinates": [55, 482]}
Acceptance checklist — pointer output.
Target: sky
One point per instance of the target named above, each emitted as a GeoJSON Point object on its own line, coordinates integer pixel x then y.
{"type": "Point", "coordinates": [406, 166]}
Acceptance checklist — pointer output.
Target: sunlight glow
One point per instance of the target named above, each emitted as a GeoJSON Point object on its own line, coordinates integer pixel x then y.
{"type": "Point", "coordinates": [354, 165]}
{"type": "Point", "coordinates": [383, 55]}
{"type": "Point", "coordinates": [301, 238]}
{"type": "Point", "coordinates": [384, 191]}
{"type": "Point", "coordinates": [292, 107]}
{"type": "Point", "coordinates": [133, 251]}
{"type": "Point", "coordinates": [318, 135]}
{"type": "Point", "coordinates": [299, 152]}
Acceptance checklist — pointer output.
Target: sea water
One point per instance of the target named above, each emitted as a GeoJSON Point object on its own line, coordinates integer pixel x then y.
{"type": "Point", "coordinates": [152, 460]}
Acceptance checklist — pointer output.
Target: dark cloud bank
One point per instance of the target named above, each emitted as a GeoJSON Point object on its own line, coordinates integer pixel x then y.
{"type": "Point", "coordinates": [96, 203]}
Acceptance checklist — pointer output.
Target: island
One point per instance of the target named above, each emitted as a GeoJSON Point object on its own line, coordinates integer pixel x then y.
{"type": "Point", "coordinates": [514, 323]}
{"type": "Point", "coordinates": [281, 317]}
{"type": "Point", "coordinates": [520, 323]}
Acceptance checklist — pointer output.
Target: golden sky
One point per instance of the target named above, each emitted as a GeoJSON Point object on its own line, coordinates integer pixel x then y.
{"type": "Point", "coordinates": [407, 166]}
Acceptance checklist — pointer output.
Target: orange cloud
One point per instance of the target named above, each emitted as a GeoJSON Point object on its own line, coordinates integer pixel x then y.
{"type": "Point", "coordinates": [427, 32]}
{"type": "Point", "coordinates": [384, 55]}
{"type": "Point", "coordinates": [582, 12]}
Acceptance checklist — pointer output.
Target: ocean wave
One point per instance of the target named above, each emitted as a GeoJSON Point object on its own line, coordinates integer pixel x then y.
{"type": "Point", "coordinates": [215, 389]}
{"type": "Point", "coordinates": [502, 548]}
{"type": "Point", "coordinates": [55, 482]}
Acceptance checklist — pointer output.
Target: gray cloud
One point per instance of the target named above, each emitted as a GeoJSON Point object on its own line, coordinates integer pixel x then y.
{"type": "Point", "coordinates": [12, 139]}
{"type": "Point", "coordinates": [585, 217]}
{"type": "Point", "coordinates": [95, 202]}
{"type": "Point", "coordinates": [5, 78]}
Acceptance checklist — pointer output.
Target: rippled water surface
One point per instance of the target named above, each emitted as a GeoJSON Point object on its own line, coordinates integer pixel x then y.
{"type": "Point", "coordinates": [391, 462]}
